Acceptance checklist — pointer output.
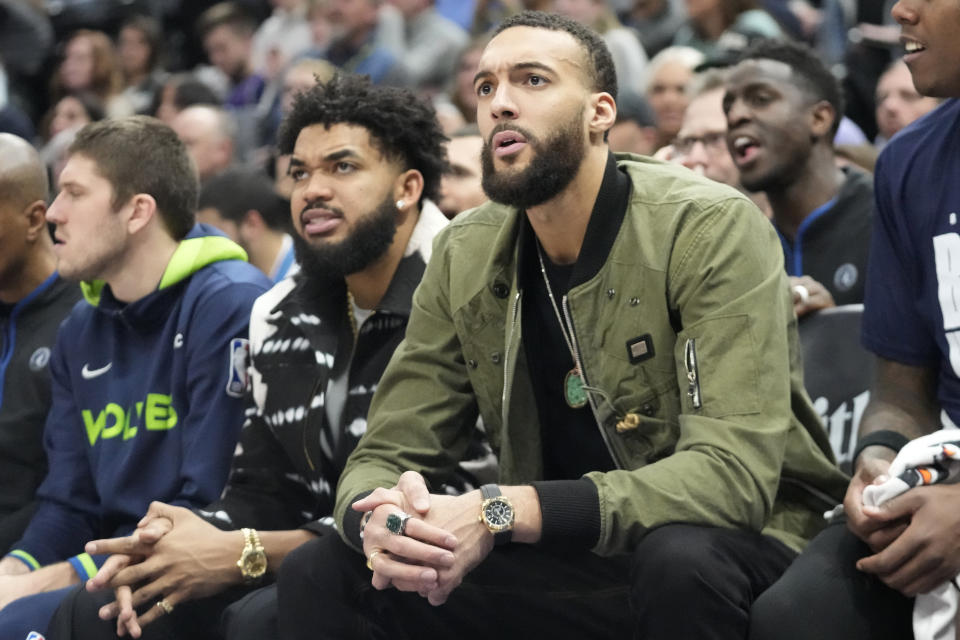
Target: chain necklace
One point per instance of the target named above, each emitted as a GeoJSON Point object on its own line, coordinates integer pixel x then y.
{"type": "Point", "coordinates": [573, 388]}
{"type": "Point", "coordinates": [351, 315]}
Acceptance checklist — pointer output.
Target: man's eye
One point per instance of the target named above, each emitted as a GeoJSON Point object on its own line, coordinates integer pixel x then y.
{"type": "Point", "coordinates": [484, 89]}
{"type": "Point", "coordinates": [297, 174]}
{"type": "Point", "coordinates": [536, 81]}
{"type": "Point", "coordinates": [343, 167]}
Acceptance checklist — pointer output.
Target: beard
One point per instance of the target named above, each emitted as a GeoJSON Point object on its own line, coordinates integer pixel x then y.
{"type": "Point", "coordinates": [369, 240]}
{"type": "Point", "coordinates": [554, 164]}
{"type": "Point", "coordinates": [100, 255]}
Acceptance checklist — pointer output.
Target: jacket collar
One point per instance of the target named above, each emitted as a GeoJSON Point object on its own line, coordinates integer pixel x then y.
{"type": "Point", "coordinates": [606, 218]}
{"type": "Point", "coordinates": [399, 295]}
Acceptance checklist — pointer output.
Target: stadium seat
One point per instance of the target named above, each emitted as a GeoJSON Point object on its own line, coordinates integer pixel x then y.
{"type": "Point", "coordinates": [837, 372]}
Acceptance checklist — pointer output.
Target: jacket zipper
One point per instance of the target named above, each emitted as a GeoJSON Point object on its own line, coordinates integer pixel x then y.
{"type": "Point", "coordinates": [506, 352]}
{"type": "Point", "coordinates": [306, 423]}
{"type": "Point", "coordinates": [577, 360]}
{"type": "Point", "coordinates": [693, 373]}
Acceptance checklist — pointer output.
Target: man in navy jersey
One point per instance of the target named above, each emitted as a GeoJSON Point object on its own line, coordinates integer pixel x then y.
{"type": "Point", "coordinates": [857, 581]}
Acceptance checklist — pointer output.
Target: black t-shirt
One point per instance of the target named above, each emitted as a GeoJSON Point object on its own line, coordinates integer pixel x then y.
{"type": "Point", "coordinates": [572, 444]}
{"type": "Point", "coordinates": [571, 439]}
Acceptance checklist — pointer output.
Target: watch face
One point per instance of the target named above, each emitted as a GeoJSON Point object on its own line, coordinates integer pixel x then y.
{"type": "Point", "coordinates": [254, 564]}
{"type": "Point", "coordinates": [498, 513]}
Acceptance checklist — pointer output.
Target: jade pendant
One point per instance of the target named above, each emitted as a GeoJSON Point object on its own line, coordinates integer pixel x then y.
{"type": "Point", "coordinates": [573, 391]}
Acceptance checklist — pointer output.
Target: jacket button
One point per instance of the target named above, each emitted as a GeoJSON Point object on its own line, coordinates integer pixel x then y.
{"type": "Point", "coordinates": [647, 410]}
{"type": "Point", "coordinates": [495, 357]}
{"type": "Point", "coordinates": [472, 364]}
{"type": "Point", "coordinates": [634, 302]}
{"type": "Point", "coordinates": [611, 293]}
{"type": "Point", "coordinates": [501, 290]}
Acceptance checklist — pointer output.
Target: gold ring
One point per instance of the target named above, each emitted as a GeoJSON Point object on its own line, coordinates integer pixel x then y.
{"type": "Point", "coordinates": [370, 559]}
{"type": "Point", "coordinates": [166, 606]}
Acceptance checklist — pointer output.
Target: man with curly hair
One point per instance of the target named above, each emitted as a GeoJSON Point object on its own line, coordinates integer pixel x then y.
{"type": "Point", "coordinates": [366, 164]}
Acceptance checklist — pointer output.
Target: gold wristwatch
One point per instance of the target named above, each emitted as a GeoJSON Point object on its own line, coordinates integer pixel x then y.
{"type": "Point", "coordinates": [253, 560]}
{"type": "Point", "coordinates": [496, 512]}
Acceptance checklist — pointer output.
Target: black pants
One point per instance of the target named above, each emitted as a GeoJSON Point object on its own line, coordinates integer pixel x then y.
{"type": "Point", "coordinates": [236, 614]}
{"type": "Point", "coordinates": [823, 595]}
{"type": "Point", "coordinates": [682, 582]}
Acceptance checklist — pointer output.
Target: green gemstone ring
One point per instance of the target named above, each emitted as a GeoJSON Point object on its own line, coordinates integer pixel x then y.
{"type": "Point", "coordinates": [397, 523]}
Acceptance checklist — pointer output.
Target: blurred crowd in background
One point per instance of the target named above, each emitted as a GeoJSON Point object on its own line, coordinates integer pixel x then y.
{"type": "Point", "coordinates": [222, 74]}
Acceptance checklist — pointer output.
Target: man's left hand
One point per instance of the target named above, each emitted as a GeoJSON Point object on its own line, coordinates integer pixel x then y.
{"type": "Point", "coordinates": [927, 553]}
{"type": "Point", "coordinates": [460, 516]}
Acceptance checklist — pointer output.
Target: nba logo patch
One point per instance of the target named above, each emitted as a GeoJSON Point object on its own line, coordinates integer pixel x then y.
{"type": "Point", "coordinates": [239, 361]}
{"type": "Point", "coordinates": [35, 636]}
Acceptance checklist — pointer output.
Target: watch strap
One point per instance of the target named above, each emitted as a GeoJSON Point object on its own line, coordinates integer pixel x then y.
{"type": "Point", "coordinates": [488, 491]}
{"type": "Point", "coordinates": [251, 539]}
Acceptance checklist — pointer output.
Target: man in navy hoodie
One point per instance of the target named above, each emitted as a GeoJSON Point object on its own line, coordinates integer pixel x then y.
{"type": "Point", "coordinates": [148, 373]}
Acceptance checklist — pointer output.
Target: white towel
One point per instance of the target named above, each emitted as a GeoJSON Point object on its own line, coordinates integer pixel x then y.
{"type": "Point", "coordinates": [930, 459]}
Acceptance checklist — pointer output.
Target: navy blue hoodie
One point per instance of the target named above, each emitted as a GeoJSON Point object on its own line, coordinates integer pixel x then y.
{"type": "Point", "coordinates": [147, 400]}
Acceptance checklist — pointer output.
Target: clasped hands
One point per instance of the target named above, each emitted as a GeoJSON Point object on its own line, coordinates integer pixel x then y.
{"type": "Point", "coordinates": [173, 555]}
{"type": "Point", "coordinates": [442, 542]}
{"type": "Point", "coordinates": [915, 537]}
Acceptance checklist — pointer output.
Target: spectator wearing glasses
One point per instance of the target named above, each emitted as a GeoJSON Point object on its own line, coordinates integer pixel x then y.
{"type": "Point", "coordinates": [701, 144]}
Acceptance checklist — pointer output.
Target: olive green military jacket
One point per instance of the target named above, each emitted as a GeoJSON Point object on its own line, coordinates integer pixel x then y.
{"type": "Point", "coordinates": [714, 429]}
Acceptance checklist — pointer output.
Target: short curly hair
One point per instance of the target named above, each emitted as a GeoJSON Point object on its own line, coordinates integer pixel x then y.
{"type": "Point", "coordinates": [601, 69]}
{"type": "Point", "coordinates": [804, 63]}
{"type": "Point", "coordinates": [402, 126]}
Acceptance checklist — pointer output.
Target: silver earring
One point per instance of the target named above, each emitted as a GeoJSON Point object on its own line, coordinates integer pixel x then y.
{"type": "Point", "coordinates": [401, 204]}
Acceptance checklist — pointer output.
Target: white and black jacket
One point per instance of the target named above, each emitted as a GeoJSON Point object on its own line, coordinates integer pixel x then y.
{"type": "Point", "coordinates": [285, 470]}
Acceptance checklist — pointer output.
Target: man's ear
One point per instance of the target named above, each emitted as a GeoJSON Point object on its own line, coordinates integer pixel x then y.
{"type": "Point", "coordinates": [604, 113]}
{"type": "Point", "coordinates": [252, 219]}
{"type": "Point", "coordinates": [822, 118]}
{"type": "Point", "coordinates": [36, 213]}
{"type": "Point", "coordinates": [143, 208]}
{"type": "Point", "coordinates": [408, 187]}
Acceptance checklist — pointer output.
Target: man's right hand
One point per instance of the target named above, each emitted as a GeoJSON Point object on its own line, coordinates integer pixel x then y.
{"type": "Point", "coordinates": [408, 562]}
{"type": "Point", "coordinates": [872, 469]}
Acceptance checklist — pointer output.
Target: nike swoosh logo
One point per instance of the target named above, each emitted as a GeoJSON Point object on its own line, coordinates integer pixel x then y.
{"type": "Point", "coordinates": [89, 373]}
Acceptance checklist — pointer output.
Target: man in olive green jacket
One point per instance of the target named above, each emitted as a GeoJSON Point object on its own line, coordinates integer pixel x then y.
{"type": "Point", "coordinates": [625, 330]}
